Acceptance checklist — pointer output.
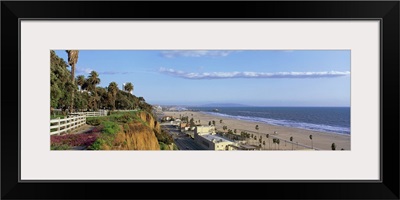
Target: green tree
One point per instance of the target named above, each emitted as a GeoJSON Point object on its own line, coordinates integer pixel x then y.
{"type": "Point", "coordinates": [128, 87]}
{"type": "Point", "coordinates": [80, 80]}
{"type": "Point", "coordinates": [92, 81]}
{"type": "Point", "coordinates": [333, 146]}
{"type": "Point", "coordinates": [112, 93]}
{"type": "Point", "coordinates": [72, 60]}
{"type": "Point", "coordinates": [192, 124]}
{"type": "Point", "coordinates": [61, 87]}
{"type": "Point", "coordinates": [291, 140]}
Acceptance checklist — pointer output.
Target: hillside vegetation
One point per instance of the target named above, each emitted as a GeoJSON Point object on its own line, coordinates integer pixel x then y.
{"type": "Point", "coordinates": [133, 130]}
{"type": "Point", "coordinates": [136, 130]}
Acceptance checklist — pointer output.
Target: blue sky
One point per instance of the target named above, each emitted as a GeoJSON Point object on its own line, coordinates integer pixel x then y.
{"type": "Point", "coordinates": [250, 77]}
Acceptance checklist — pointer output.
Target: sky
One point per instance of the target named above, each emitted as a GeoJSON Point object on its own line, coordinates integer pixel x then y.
{"type": "Point", "coordinates": [248, 77]}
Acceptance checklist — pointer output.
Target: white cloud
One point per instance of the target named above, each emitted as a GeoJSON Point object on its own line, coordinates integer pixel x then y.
{"type": "Point", "coordinates": [198, 53]}
{"type": "Point", "coordinates": [225, 75]}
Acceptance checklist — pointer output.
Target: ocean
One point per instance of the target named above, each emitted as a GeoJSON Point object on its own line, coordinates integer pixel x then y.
{"type": "Point", "coordinates": [324, 119]}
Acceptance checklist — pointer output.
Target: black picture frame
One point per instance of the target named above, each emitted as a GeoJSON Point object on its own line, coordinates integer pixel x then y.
{"type": "Point", "coordinates": [386, 11]}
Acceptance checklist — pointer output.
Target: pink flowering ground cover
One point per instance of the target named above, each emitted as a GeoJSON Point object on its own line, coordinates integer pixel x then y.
{"type": "Point", "coordinates": [85, 139]}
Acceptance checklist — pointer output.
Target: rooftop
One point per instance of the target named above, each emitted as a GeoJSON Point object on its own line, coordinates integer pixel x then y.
{"type": "Point", "coordinates": [215, 138]}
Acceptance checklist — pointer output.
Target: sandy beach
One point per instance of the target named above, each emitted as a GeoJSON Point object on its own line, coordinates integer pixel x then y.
{"type": "Point", "coordinates": [301, 140]}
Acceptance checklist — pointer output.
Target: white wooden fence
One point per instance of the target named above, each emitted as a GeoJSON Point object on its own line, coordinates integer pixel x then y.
{"type": "Point", "coordinates": [67, 124]}
{"type": "Point", "coordinates": [92, 114]}
{"type": "Point", "coordinates": [125, 110]}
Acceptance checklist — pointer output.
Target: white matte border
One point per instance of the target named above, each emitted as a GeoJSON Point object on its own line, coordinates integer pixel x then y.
{"type": "Point", "coordinates": [39, 163]}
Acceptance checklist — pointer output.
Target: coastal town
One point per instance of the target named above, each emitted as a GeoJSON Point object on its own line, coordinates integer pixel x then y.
{"type": "Point", "coordinates": [194, 130]}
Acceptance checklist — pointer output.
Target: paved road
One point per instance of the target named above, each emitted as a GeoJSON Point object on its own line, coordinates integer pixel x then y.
{"type": "Point", "coordinates": [182, 140]}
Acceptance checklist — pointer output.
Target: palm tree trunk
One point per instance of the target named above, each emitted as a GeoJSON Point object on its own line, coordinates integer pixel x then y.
{"type": "Point", "coordinates": [73, 90]}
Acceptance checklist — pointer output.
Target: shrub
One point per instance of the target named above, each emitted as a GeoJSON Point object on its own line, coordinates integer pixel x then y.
{"type": "Point", "coordinates": [110, 127]}
{"type": "Point", "coordinates": [103, 141]}
{"type": "Point", "coordinates": [126, 118]}
{"type": "Point", "coordinates": [163, 146]}
{"type": "Point", "coordinates": [94, 121]}
{"type": "Point", "coordinates": [164, 137]}
{"type": "Point", "coordinates": [97, 144]}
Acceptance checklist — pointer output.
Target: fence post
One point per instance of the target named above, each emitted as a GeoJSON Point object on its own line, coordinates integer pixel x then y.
{"type": "Point", "coordinates": [59, 125]}
{"type": "Point", "coordinates": [66, 124]}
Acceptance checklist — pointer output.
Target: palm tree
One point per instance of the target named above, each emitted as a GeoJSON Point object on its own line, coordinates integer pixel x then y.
{"type": "Point", "coordinates": [128, 87]}
{"type": "Point", "coordinates": [80, 80]}
{"type": "Point", "coordinates": [93, 80]}
{"type": "Point", "coordinates": [291, 140]}
{"type": "Point", "coordinates": [333, 146]}
{"type": "Point", "coordinates": [312, 145]}
{"type": "Point", "coordinates": [112, 91]}
{"type": "Point", "coordinates": [90, 83]}
{"type": "Point", "coordinates": [72, 60]}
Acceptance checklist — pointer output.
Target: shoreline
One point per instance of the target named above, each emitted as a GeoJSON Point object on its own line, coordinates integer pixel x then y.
{"type": "Point", "coordinates": [260, 122]}
{"type": "Point", "coordinates": [301, 141]}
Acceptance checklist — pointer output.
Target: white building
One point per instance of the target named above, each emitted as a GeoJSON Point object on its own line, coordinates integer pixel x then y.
{"type": "Point", "coordinates": [206, 137]}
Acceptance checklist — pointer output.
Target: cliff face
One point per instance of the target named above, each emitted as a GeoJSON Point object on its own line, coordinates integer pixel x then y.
{"type": "Point", "coordinates": [153, 124]}
{"type": "Point", "coordinates": [137, 135]}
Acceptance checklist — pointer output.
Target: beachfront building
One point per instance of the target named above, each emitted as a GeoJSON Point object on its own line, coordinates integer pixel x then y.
{"type": "Point", "coordinates": [167, 118]}
{"type": "Point", "coordinates": [204, 130]}
{"type": "Point", "coordinates": [206, 137]}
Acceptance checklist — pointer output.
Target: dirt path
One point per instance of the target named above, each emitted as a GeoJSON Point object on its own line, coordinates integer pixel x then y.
{"type": "Point", "coordinates": [83, 129]}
